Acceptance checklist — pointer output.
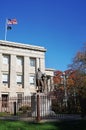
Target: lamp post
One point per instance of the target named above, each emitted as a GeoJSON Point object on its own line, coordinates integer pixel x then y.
{"type": "Point", "coordinates": [64, 76]}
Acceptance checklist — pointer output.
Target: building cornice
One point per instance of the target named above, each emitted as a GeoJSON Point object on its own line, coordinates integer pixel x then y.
{"type": "Point", "coordinates": [22, 46]}
{"type": "Point", "coordinates": [49, 69]}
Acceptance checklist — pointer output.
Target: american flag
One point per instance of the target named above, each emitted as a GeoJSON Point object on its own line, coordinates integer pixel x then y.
{"type": "Point", "coordinates": [12, 21]}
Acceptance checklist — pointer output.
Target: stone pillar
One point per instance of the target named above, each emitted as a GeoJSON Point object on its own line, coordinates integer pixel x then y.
{"type": "Point", "coordinates": [12, 75]}
{"type": "Point", "coordinates": [26, 75]}
{"type": "Point", "coordinates": [37, 63]}
{"type": "Point", "coordinates": [44, 105]}
{"type": "Point", "coordinates": [42, 65]}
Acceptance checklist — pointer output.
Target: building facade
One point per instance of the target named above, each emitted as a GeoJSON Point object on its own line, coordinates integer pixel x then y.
{"type": "Point", "coordinates": [18, 66]}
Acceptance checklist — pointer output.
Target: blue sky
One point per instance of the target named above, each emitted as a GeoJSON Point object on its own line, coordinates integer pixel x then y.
{"type": "Point", "coordinates": [58, 25]}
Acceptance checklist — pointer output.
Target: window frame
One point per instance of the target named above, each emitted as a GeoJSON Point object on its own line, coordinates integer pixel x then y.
{"type": "Point", "coordinates": [4, 100]}
{"type": "Point", "coordinates": [19, 60]}
{"type": "Point", "coordinates": [6, 59]}
{"type": "Point", "coordinates": [5, 79]}
{"type": "Point", "coordinates": [19, 97]}
{"type": "Point", "coordinates": [18, 79]}
{"type": "Point", "coordinates": [32, 79]}
{"type": "Point", "coordinates": [32, 61]}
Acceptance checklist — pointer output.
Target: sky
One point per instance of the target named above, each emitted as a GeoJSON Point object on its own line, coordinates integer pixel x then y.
{"type": "Point", "coordinates": [57, 25]}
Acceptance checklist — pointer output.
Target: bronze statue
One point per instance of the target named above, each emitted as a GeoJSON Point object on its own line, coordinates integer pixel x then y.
{"type": "Point", "coordinates": [39, 81]}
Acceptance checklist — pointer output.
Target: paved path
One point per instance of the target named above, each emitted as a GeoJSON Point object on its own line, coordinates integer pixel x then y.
{"type": "Point", "coordinates": [58, 117]}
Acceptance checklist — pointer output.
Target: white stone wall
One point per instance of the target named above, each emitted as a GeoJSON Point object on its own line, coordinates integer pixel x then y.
{"type": "Point", "coordinates": [26, 51]}
{"type": "Point", "coordinates": [50, 84]}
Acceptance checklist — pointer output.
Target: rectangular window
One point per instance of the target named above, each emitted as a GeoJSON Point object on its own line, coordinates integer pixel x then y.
{"type": "Point", "coordinates": [4, 100]}
{"type": "Point", "coordinates": [19, 96]}
{"type": "Point", "coordinates": [33, 62]}
{"type": "Point", "coordinates": [32, 80]}
{"type": "Point", "coordinates": [19, 60]}
{"type": "Point", "coordinates": [5, 78]}
{"type": "Point", "coordinates": [19, 79]}
{"type": "Point", "coordinates": [5, 59]}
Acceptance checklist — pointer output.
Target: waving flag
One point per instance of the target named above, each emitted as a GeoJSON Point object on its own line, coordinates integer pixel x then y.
{"type": "Point", "coordinates": [12, 21]}
{"type": "Point", "coordinates": [8, 26]}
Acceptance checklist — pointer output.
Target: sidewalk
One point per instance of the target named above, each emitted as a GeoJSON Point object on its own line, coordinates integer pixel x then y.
{"type": "Point", "coordinates": [59, 117]}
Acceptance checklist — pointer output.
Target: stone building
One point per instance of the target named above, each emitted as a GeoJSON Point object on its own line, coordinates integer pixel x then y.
{"type": "Point", "coordinates": [18, 65]}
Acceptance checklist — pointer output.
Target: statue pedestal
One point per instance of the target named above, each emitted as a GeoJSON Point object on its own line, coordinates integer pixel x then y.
{"type": "Point", "coordinates": [44, 104]}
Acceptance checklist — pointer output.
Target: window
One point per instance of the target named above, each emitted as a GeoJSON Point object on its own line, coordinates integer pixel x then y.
{"type": "Point", "coordinates": [32, 80]}
{"type": "Point", "coordinates": [5, 59]}
{"type": "Point", "coordinates": [19, 60]}
{"type": "Point", "coordinates": [4, 100]}
{"type": "Point", "coordinates": [32, 62]}
{"type": "Point", "coordinates": [5, 78]}
{"type": "Point", "coordinates": [19, 79]}
{"type": "Point", "coordinates": [19, 95]}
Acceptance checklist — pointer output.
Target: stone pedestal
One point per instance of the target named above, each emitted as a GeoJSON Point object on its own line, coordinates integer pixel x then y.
{"type": "Point", "coordinates": [44, 104]}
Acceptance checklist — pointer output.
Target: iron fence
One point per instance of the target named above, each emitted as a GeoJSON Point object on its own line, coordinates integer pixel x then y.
{"type": "Point", "coordinates": [37, 107]}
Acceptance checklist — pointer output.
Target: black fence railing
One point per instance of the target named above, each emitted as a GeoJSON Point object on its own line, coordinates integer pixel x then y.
{"type": "Point", "coordinates": [39, 106]}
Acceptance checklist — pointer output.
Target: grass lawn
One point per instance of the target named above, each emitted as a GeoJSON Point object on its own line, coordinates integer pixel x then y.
{"type": "Point", "coordinates": [64, 125]}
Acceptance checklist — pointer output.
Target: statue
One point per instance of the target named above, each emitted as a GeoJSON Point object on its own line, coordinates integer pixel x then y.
{"type": "Point", "coordinates": [44, 79]}
{"type": "Point", "coordinates": [39, 81]}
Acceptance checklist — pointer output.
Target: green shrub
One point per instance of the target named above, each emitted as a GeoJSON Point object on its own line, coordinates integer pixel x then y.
{"type": "Point", "coordinates": [25, 108]}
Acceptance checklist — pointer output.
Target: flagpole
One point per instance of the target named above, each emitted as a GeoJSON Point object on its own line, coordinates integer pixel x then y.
{"type": "Point", "coordinates": [6, 30]}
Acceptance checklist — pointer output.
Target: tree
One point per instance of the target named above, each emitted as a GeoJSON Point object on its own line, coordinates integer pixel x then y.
{"type": "Point", "coordinates": [79, 61]}
{"type": "Point", "coordinates": [79, 65]}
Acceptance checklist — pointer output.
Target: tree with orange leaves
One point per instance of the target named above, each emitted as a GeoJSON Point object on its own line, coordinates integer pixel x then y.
{"type": "Point", "coordinates": [79, 65]}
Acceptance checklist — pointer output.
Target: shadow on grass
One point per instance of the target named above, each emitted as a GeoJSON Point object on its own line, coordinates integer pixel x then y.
{"type": "Point", "coordinates": [61, 125]}
{"type": "Point", "coordinates": [72, 125]}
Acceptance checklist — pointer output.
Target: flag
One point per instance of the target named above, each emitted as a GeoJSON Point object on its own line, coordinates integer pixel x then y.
{"type": "Point", "coordinates": [12, 21]}
{"type": "Point", "coordinates": [9, 27]}
{"type": "Point", "coordinates": [9, 22]}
